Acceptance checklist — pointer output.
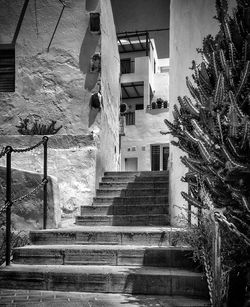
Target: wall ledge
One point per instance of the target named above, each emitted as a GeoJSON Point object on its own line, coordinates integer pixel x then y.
{"type": "Point", "coordinates": [55, 141]}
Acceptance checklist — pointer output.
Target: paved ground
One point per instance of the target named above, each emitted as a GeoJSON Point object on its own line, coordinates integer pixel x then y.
{"type": "Point", "coordinates": [36, 298]}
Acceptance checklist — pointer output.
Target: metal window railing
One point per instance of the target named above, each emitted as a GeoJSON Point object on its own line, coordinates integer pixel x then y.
{"type": "Point", "coordinates": [130, 118]}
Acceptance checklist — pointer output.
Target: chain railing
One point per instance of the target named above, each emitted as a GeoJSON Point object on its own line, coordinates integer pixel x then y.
{"type": "Point", "coordinates": [8, 150]}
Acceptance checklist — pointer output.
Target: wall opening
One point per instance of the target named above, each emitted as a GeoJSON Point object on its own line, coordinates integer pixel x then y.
{"type": "Point", "coordinates": [94, 24]}
{"type": "Point", "coordinates": [159, 157]}
{"type": "Point", "coordinates": [131, 164]}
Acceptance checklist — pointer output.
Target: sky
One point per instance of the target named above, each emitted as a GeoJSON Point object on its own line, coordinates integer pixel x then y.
{"type": "Point", "coordinates": [132, 15]}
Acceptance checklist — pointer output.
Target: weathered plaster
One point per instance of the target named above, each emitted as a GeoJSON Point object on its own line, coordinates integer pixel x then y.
{"type": "Point", "coordinates": [71, 160]}
{"type": "Point", "coordinates": [190, 22]}
{"type": "Point", "coordinates": [145, 132]}
{"type": "Point", "coordinates": [57, 85]}
{"type": "Point", "coordinates": [28, 213]}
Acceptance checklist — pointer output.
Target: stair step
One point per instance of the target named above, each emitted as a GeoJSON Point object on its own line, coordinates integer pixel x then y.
{"type": "Point", "coordinates": [149, 174]}
{"type": "Point", "coordinates": [8, 297]}
{"type": "Point", "coordinates": [134, 185]}
{"type": "Point", "coordinates": [132, 179]}
{"type": "Point", "coordinates": [163, 199]}
{"type": "Point", "coordinates": [124, 220]}
{"type": "Point", "coordinates": [124, 209]}
{"type": "Point", "coordinates": [120, 235]}
{"type": "Point", "coordinates": [115, 279]}
{"type": "Point", "coordinates": [131, 192]}
{"type": "Point", "coordinates": [180, 257]}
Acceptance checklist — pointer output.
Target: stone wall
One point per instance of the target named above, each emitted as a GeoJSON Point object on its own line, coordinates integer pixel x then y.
{"type": "Point", "coordinates": [57, 84]}
{"type": "Point", "coordinates": [190, 22]}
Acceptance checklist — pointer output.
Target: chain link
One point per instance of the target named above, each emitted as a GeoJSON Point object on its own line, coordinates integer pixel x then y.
{"type": "Point", "coordinates": [31, 192]}
{"type": "Point", "coordinates": [6, 149]}
{"type": "Point", "coordinates": [19, 199]}
{"type": "Point", "coordinates": [208, 272]}
{"type": "Point", "coordinates": [5, 206]}
{"type": "Point", "coordinates": [19, 150]}
{"type": "Point", "coordinates": [221, 218]}
{"type": "Point", "coordinates": [3, 152]}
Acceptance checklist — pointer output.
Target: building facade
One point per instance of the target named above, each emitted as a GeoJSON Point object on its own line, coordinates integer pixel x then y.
{"type": "Point", "coordinates": [62, 65]}
{"type": "Point", "coordinates": [144, 97]}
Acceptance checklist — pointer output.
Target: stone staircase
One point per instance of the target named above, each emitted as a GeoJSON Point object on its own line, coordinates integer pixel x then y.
{"type": "Point", "coordinates": [121, 244]}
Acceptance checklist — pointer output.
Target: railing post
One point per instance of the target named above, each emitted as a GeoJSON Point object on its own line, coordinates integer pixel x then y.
{"type": "Point", "coordinates": [8, 203]}
{"type": "Point", "coordinates": [45, 201]}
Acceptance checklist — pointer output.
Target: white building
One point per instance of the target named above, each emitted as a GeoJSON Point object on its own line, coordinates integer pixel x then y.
{"type": "Point", "coordinates": [145, 91]}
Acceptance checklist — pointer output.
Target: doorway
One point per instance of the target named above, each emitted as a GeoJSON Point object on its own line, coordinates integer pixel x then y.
{"type": "Point", "coordinates": [131, 164]}
{"type": "Point", "coordinates": [159, 157]}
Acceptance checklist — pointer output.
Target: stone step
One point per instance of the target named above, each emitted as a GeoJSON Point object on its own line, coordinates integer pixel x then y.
{"type": "Point", "coordinates": [10, 297]}
{"type": "Point", "coordinates": [126, 209]}
{"type": "Point", "coordinates": [134, 185]}
{"type": "Point", "coordinates": [115, 279]}
{"type": "Point", "coordinates": [131, 192]}
{"type": "Point", "coordinates": [132, 178]}
{"type": "Point", "coordinates": [123, 220]}
{"type": "Point", "coordinates": [138, 174]}
{"type": "Point", "coordinates": [177, 257]}
{"type": "Point", "coordinates": [109, 200]}
{"type": "Point", "coordinates": [116, 235]}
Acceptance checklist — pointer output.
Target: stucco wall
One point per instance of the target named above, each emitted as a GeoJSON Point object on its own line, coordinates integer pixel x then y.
{"type": "Point", "coordinates": [190, 22]}
{"type": "Point", "coordinates": [49, 85]}
{"type": "Point", "coordinates": [146, 131]}
{"type": "Point", "coordinates": [28, 213]}
{"type": "Point", "coordinates": [71, 161]}
{"type": "Point", "coordinates": [57, 85]}
{"type": "Point", "coordinates": [108, 154]}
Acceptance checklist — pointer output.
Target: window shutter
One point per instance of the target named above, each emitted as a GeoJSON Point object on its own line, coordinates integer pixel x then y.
{"type": "Point", "coordinates": [7, 68]}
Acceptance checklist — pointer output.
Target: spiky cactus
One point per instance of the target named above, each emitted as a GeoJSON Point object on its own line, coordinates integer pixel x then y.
{"type": "Point", "coordinates": [213, 128]}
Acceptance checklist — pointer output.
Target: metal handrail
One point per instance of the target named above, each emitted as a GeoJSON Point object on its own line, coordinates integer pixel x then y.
{"type": "Point", "coordinates": [9, 202]}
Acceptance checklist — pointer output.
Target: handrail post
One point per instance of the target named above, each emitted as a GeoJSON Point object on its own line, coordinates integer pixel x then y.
{"type": "Point", "coordinates": [8, 203]}
{"type": "Point", "coordinates": [45, 201]}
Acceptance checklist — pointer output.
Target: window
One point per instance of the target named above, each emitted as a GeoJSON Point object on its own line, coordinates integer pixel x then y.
{"type": "Point", "coordinates": [94, 23]}
{"type": "Point", "coordinates": [155, 157]}
{"type": "Point", "coordinates": [130, 118]}
{"type": "Point", "coordinates": [125, 66]}
{"type": "Point", "coordinates": [164, 69]}
{"type": "Point", "coordinates": [7, 68]}
{"type": "Point", "coordinates": [139, 106]}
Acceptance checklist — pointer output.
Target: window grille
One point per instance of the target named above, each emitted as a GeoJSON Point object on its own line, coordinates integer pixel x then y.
{"type": "Point", "coordinates": [7, 68]}
{"type": "Point", "coordinates": [130, 118]}
{"type": "Point", "coordinates": [155, 157]}
{"type": "Point", "coordinates": [139, 106]}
